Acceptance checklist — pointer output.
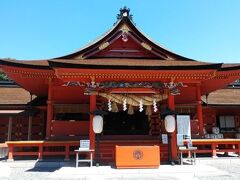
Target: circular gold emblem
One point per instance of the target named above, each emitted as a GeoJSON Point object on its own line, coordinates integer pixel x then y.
{"type": "Point", "coordinates": [137, 154]}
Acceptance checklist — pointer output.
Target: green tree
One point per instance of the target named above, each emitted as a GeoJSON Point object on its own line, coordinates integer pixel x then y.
{"type": "Point", "coordinates": [3, 77]}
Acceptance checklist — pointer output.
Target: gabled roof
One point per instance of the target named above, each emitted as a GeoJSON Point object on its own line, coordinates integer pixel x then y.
{"type": "Point", "coordinates": [123, 48]}
{"type": "Point", "coordinates": [134, 64]}
{"type": "Point", "coordinates": [227, 96]}
{"type": "Point", "coordinates": [35, 64]}
{"type": "Point", "coordinates": [14, 96]}
{"type": "Point", "coordinates": [227, 67]}
{"type": "Point", "coordinates": [124, 30]}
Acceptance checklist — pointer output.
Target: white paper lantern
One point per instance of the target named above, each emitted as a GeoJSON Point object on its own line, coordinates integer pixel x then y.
{"type": "Point", "coordinates": [169, 123]}
{"type": "Point", "coordinates": [97, 124]}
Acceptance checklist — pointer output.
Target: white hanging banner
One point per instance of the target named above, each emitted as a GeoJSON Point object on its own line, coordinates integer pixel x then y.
{"type": "Point", "coordinates": [183, 126]}
{"type": "Point", "coordinates": [180, 140]}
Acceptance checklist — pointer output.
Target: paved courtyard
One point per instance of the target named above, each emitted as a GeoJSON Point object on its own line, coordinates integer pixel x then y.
{"type": "Point", "coordinates": [206, 169]}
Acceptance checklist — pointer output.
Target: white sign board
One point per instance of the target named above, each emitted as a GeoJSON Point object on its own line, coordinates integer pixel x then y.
{"type": "Point", "coordinates": [180, 140]}
{"type": "Point", "coordinates": [164, 139]}
{"type": "Point", "coordinates": [183, 126]}
{"type": "Point", "coordinates": [84, 144]}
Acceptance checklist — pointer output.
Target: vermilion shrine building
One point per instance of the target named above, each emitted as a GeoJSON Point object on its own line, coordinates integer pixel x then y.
{"type": "Point", "coordinates": [131, 78]}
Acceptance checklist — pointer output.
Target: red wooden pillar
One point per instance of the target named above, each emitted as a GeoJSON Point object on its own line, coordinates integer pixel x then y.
{"type": "Point", "coordinates": [199, 109]}
{"type": "Point", "coordinates": [49, 109]}
{"type": "Point", "coordinates": [91, 132]}
{"type": "Point", "coordinates": [214, 151]}
{"type": "Point", "coordinates": [10, 152]}
{"type": "Point", "coordinates": [9, 128]}
{"type": "Point", "coordinates": [67, 152]}
{"type": "Point", "coordinates": [171, 105]}
{"type": "Point", "coordinates": [40, 151]}
{"type": "Point", "coordinates": [239, 150]}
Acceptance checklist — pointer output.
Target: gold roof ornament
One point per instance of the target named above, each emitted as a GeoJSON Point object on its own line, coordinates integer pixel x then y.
{"type": "Point", "coordinates": [104, 45]}
{"type": "Point", "coordinates": [146, 46]}
{"type": "Point", "coordinates": [80, 57]}
{"type": "Point", "coordinates": [125, 28]}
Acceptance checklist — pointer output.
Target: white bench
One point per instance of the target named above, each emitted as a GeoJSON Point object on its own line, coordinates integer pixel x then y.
{"type": "Point", "coordinates": [84, 150]}
{"type": "Point", "coordinates": [191, 154]}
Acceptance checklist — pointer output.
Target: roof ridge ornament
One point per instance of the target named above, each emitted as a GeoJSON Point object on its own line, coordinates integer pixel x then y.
{"type": "Point", "coordinates": [125, 12]}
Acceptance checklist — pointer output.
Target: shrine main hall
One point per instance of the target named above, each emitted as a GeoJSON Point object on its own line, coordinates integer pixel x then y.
{"type": "Point", "coordinates": [133, 83]}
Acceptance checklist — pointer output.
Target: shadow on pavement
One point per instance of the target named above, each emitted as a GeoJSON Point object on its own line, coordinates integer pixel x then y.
{"type": "Point", "coordinates": [43, 169]}
{"type": "Point", "coordinates": [50, 165]}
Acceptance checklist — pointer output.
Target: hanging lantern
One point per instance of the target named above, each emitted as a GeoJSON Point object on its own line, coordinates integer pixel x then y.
{"type": "Point", "coordinates": [130, 110]}
{"type": "Point", "coordinates": [97, 124]}
{"type": "Point", "coordinates": [169, 123]}
{"type": "Point", "coordinates": [109, 105]}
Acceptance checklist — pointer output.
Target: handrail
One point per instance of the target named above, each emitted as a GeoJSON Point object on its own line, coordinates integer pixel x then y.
{"type": "Point", "coordinates": [40, 144]}
{"type": "Point", "coordinates": [216, 145]}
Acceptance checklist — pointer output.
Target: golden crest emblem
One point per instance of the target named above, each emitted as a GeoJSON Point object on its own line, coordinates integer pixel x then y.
{"type": "Point", "coordinates": [137, 154]}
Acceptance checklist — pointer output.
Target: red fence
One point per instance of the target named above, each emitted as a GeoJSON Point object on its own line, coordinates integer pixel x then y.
{"type": "Point", "coordinates": [66, 148]}
{"type": "Point", "coordinates": [107, 147]}
{"type": "Point", "coordinates": [216, 145]}
{"type": "Point", "coordinates": [19, 148]}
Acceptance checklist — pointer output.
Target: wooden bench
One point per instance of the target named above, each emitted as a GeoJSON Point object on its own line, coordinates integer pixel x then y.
{"type": "Point", "coordinates": [82, 150]}
{"type": "Point", "coordinates": [3, 150]}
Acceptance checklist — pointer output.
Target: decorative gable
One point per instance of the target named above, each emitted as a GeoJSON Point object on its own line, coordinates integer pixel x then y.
{"type": "Point", "coordinates": [124, 40]}
{"type": "Point", "coordinates": [124, 45]}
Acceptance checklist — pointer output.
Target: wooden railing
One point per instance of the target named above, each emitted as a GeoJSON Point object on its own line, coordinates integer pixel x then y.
{"type": "Point", "coordinates": [66, 148]}
{"type": "Point", "coordinates": [216, 145]}
{"type": "Point", "coordinates": [42, 148]}
{"type": "Point", "coordinates": [107, 147]}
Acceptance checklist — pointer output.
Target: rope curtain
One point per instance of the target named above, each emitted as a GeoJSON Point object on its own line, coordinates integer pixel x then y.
{"type": "Point", "coordinates": [132, 99]}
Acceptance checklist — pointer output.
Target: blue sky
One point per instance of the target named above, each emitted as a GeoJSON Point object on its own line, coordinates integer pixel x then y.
{"type": "Point", "coordinates": [205, 30]}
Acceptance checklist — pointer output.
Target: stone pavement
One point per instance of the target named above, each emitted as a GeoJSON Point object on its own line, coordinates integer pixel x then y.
{"type": "Point", "coordinates": [206, 169]}
{"type": "Point", "coordinates": [5, 170]}
{"type": "Point", "coordinates": [163, 172]}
